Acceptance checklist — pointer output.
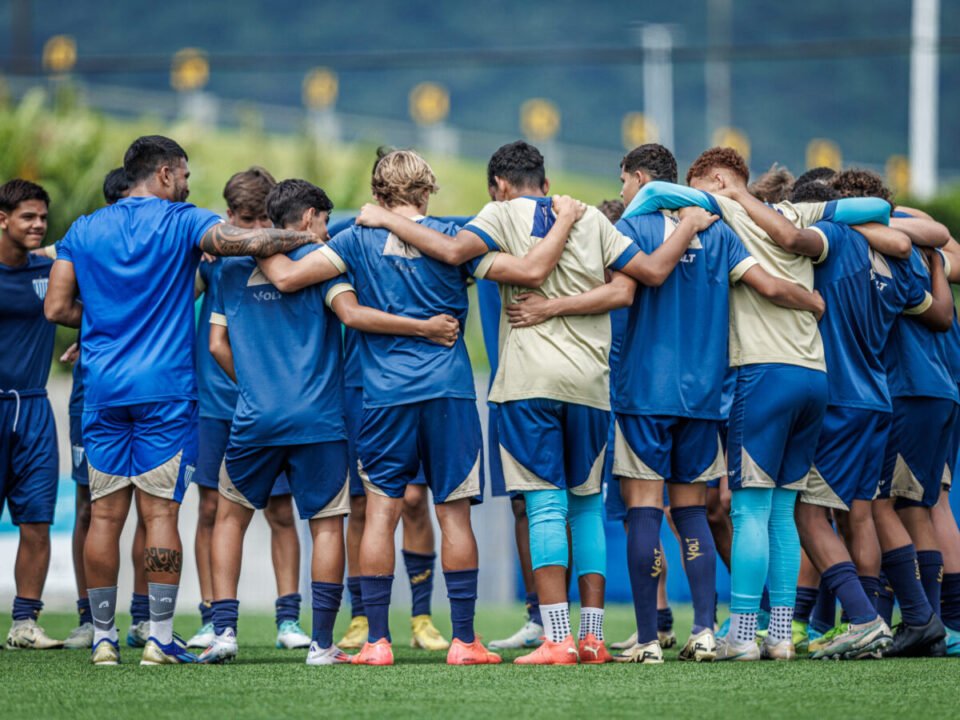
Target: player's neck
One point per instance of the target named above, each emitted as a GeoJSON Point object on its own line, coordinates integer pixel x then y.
{"type": "Point", "coordinates": [514, 192]}
{"type": "Point", "coordinates": [409, 211]}
{"type": "Point", "coordinates": [12, 255]}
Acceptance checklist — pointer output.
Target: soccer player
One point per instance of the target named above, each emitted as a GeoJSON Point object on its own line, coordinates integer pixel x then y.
{"type": "Point", "coordinates": [127, 273]}
{"type": "Point", "coordinates": [774, 185]}
{"type": "Point", "coordinates": [29, 458]}
{"type": "Point", "coordinates": [552, 383]}
{"type": "Point", "coordinates": [781, 390]}
{"type": "Point", "coordinates": [246, 196]}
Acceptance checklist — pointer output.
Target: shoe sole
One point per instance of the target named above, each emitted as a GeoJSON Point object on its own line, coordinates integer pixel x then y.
{"type": "Point", "coordinates": [639, 661]}
{"type": "Point", "coordinates": [699, 656]}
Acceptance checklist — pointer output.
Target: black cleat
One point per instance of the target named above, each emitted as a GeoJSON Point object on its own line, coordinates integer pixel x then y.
{"type": "Point", "coordinates": [918, 640]}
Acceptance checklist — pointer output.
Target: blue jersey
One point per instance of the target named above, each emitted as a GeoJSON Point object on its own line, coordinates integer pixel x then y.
{"type": "Point", "coordinates": [287, 353]}
{"type": "Point", "coordinates": [951, 348]}
{"type": "Point", "coordinates": [27, 336]}
{"type": "Point", "coordinates": [914, 355]}
{"type": "Point", "coordinates": [217, 392]}
{"type": "Point", "coordinates": [76, 391]}
{"type": "Point", "coordinates": [864, 292]}
{"type": "Point", "coordinates": [135, 263]}
{"type": "Point", "coordinates": [674, 355]}
{"type": "Point", "coordinates": [394, 277]}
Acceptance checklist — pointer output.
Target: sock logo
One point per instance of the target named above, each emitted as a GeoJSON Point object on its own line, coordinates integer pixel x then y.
{"type": "Point", "coordinates": [693, 548]}
{"type": "Point", "coordinates": [657, 563]}
{"type": "Point", "coordinates": [940, 576]}
{"type": "Point", "coordinates": [104, 604]}
{"type": "Point", "coordinates": [421, 577]}
{"type": "Point", "coordinates": [916, 568]}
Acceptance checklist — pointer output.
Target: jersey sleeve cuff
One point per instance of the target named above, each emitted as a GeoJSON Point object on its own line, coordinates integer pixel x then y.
{"type": "Point", "coordinates": [740, 269]}
{"type": "Point", "coordinates": [483, 235]}
{"type": "Point", "coordinates": [826, 245]}
{"type": "Point", "coordinates": [218, 319]}
{"type": "Point", "coordinates": [625, 257]}
{"type": "Point", "coordinates": [334, 259]}
{"type": "Point", "coordinates": [922, 307]}
{"type": "Point", "coordinates": [338, 289]}
{"type": "Point", "coordinates": [51, 251]}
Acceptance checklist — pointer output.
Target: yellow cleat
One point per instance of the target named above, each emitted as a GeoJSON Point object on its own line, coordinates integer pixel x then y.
{"type": "Point", "coordinates": [106, 652]}
{"type": "Point", "coordinates": [356, 634]}
{"type": "Point", "coordinates": [425, 635]}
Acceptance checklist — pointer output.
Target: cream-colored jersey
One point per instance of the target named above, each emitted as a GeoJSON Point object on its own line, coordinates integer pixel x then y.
{"type": "Point", "coordinates": [564, 358]}
{"type": "Point", "coordinates": [761, 332]}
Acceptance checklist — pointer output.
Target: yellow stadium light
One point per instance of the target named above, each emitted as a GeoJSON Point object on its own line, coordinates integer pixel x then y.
{"type": "Point", "coordinates": [60, 54]}
{"type": "Point", "coordinates": [320, 88]}
{"type": "Point", "coordinates": [190, 70]}
{"type": "Point", "coordinates": [539, 119]}
{"type": "Point", "coordinates": [637, 129]}
{"type": "Point", "coordinates": [429, 103]}
{"type": "Point", "coordinates": [732, 137]}
{"type": "Point", "coordinates": [898, 174]}
{"type": "Point", "coordinates": [823, 153]}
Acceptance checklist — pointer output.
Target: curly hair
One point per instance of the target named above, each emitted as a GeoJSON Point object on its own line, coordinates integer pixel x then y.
{"type": "Point", "coordinates": [774, 185]}
{"type": "Point", "coordinates": [857, 182]}
{"type": "Point", "coordinates": [402, 177]}
{"type": "Point", "coordinates": [719, 157]}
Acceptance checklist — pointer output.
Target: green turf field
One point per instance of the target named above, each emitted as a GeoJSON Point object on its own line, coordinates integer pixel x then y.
{"type": "Point", "coordinates": [269, 683]}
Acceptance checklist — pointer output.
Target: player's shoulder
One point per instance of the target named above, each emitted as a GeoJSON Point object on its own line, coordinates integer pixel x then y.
{"type": "Point", "coordinates": [444, 225]}
{"type": "Point", "coordinates": [303, 251]}
{"type": "Point", "coordinates": [39, 262]}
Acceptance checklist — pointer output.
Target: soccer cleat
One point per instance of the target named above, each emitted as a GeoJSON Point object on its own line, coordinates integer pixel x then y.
{"type": "Point", "coordinates": [783, 650]}
{"type": "Point", "coordinates": [80, 637]}
{"type": "Point", "coordinates": [425, 634]}
{"type": "Point", "coordinates": [356, 634]}
{"type": "Point", "coordinates": [474, 653]}
{"type": "Point", "coordinates": [701, 647]}
{"type": "Point", "coordinates": [593, 651]}
{"type": "Point", "coordinates": [326, 656]}
{"type": "Point", "coordinates": [801, 638]}
{"type": "Point", "coordinates": [138, 634]}
{"type": "Point", "coordinates": [818, 644]}
{"type": "Point", "coordinates": [857, 643]}
{"type": "Point", "coordinates": [916, 640]}
{"type": "Point", "coordinates": [106, 652]}
{"type": "Point", "coordinates": [377, 653]}
{"type": "Point", "coordinates": [27, 635]}
{"type": "Point", "coordinates": [222, 649]}
{"type": "Point", "coordinates": [291, 636]}
{"type": "Point", "coordinates": [552, 653]}
{"type": "Point", "coordinates": [173, 653]}
{"type": "Point", "coordinates": [729, 649]}
{"type": "Point", "coordinates": [952, 642]}
{"type": "Point", "coordinates": [625, 644]}
{"type": "Point", "coordinates": [724, 629]}
{"type": "Point", "coordinates": [202, 637]}
{"type": "Point", "coordinates": [529, 636]}
{"type": "Point", "coordinates": [666, 638]}
{"type": "Point", "coordinates": [647, 654]}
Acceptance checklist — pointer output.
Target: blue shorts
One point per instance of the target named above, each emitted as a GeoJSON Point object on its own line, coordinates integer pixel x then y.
{"type": "Point", "coordinates": [78, 458]}
{"type": "Point", "coordinates": [849, 458]}
{"type": "Point", "coordinates": [442, 436]}
{"type": "Point", "coordinates": [498, 485]}
{"type": "Point", "coordinates": [317, 473]}
{"type": "Point", "coordinates": [549, 444]}
{"type": "Point", "coordinates": [29, 458]}
{"type": "Point", "coordinates": [152, 446]}
{"type": "Point", "coordinates": [775, 425]}
{"type": "Point", "coordinates": [353, 404]}
{"type": "Point", "coordinates": [214, 435]}
{"type": "Point", "coordinates": [674, 449]}
{"type": "Point", "coordinates": [917, 451]}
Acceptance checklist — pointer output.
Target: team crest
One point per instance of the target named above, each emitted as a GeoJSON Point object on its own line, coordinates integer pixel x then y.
{"type": "Point", "coordinates": [77, 451]}
{"type": "Point", "coordinates": [40, 287]}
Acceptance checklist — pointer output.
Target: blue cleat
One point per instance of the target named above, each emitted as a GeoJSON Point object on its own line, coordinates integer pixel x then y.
{"type": "Point", "coordinates": [953, 643]}
{"type": "Point", "coordinates": [174, 653]}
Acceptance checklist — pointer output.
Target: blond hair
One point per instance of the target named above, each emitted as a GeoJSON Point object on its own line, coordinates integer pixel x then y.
{"type": "Point", "coordinates": [774, 185]}
{"type": "Point", "coordinates": [402, 177]}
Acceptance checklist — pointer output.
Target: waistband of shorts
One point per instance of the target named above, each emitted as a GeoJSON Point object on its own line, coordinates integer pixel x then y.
{"type": "Point", "coordinates": [22, 394]}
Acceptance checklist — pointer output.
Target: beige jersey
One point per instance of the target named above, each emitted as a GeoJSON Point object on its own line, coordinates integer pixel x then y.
{"type": "Point", "coordinates": [564, 358]}
{"type": "Point", "coordinates": [761, 332]}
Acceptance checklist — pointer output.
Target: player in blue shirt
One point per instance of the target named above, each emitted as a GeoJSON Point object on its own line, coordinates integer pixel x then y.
{"type": "Point", "coordinates": [245, 194]}
{"type": "Point", "coordinates": [29, 459]}
{"type": "Point", "coordinates": [126, 273]}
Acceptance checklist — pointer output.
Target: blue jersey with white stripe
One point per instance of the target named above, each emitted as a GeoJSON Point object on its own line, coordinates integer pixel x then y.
{"type": "Point", "coordinates": [27, 336]}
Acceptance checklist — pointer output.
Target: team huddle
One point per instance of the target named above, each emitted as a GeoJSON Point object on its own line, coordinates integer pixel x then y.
{"type": "Point", "coordinates": [774, 367]}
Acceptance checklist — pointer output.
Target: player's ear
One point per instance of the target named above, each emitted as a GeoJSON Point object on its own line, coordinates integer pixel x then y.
{"type": "Point", "coordinates": [546, 186]}
{"type": "Point", "coordinates": [4, 220]}
{"type": "Point", "coordinates": [306, 220]}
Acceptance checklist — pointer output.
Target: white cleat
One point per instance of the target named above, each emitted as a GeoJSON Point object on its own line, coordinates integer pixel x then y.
{"type": "Point", "coordinates": [326, 656]}
{"type": "Point", "coordinates": [80, 637]}
{"type": "Point", "coordinates": [138, 634]}
{"type": "Point", "coordinates": [222, 649]}
{"type": "Point", "coordinates": [203, 637]}
{"type": "Point", "coordinates": [783, 650]}
{"type": "Point", "coordinates": [625, 644]}
{"type": "Point", "coordinates": [291, 637]}
{"type": "Point", "coordinates": [701, 647]}
{"type": "Point", "coordinates": [529, 636]}
{"type": "Point", "coordinates": [667, 638]}
{"type": "Point", "coordinates": [647, 654]}
{"type": "Point", "coordinates": [730, 649]}
{"type": "Point", "coordinates": [27, 635]}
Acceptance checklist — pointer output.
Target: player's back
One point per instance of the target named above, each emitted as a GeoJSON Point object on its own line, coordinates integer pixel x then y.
{"type": "Point", "coordinates": [135, 263]}
{"type": "Point", "coordinates": [27, 336]}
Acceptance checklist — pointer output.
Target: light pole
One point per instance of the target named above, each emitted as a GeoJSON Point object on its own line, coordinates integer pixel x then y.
{"type": "Point", "coordinates": [924, 97]}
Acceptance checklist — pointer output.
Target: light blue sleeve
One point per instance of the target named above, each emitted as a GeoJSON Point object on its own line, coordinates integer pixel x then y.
{"type": "Point", "coordinates": [857, 211]}
{"type": "Point", "coordinates": [659, 195]}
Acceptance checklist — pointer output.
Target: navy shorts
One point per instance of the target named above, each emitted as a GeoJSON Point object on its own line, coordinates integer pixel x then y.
{"type": "Point", "coordinates": [317, 473]}
{"type": "Point", "coordinates": [214, 436]}
{"type": "Point", "coordinates": [920, 440]}
{"type": "Point", "coordinates": [29, 458]}
{"type": "Point", "coordinates": [442, 436]}
{"type": "Point", "coordinates": [498, 485]}
{"type": "Point", "coordinates": [78, 457]}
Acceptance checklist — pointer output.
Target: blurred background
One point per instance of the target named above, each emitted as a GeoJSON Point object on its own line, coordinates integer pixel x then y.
{"type": "Point", "coordinates": [311, 89]}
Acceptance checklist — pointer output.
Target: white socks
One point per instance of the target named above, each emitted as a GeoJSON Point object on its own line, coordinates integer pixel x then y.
{"type": "Point", "coordinates": [743, 627]}
{"type": "Point", "coordinates": [781, 624]}
{"type": "Point", "coordinates": [591, 622]}
{"type": "Point", "coordinates": [556, 621]}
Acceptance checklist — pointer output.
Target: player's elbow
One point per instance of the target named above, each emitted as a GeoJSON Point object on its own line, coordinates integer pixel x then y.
{"type": "Point", "coordinates": [900, 247]}
{"type": "Point", "coordinates": [56, 310]}
{"type": "Point", "coordinates": [940, 317]}
{"type": "Point", "coordinates": [625, 293]}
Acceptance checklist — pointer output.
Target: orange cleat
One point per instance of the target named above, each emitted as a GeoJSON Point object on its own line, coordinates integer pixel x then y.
{"type": "Point", "coordinates": [552, 653]}
{"type": "Point", "coordinates": [475, 653]}
{"type": "Point", "coordinates": [377, 653]}
{"type": "Point", "coordinates": [593, 651]}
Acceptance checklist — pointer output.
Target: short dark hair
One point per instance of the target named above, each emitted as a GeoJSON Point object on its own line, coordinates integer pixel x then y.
{"type": "Point", "coordinates": [719, 157]}
{"type": "Point", "coordinates": [289, 199]}
{"type": "Point", "coordinates": [519, 163]}
{"type": "Point", "coordinates": [115, 185]}
{"type": "Point", "coordinates": [612, 210]}
{"type": "Point", "coordinates": [16, 191]}
{"type": "Point", "coordinates": [857, 182]}
{"type": "Point", "coordinates": [148, 153]}
{"type": "Point", "coordinates": [821, 173]}
{"type": "Point", "coordinates": [654, 159]}
{"type": "Point", "coordinates": [248, 190]}
{"type": "Point", "coordinates": [814, 191]}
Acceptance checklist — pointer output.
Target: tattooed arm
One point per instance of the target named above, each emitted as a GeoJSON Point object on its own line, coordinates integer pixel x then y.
{"type": "Point", "coordinates": [224, 239]}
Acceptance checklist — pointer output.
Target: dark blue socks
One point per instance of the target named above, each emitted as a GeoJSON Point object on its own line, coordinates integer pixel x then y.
{"type": "Point", "coordinates": [645, 564]}
{"type": "Point", "coordinates": [83, 608]}
{"type": "Point", "coordinates": [225, 614]}
{"type": "Point", "coordinates": [140, 609]}
{"type": "Point", "coordinates": [462, 592]}
{"type": "Point", "coordinates": [900, 567]}
{"type": "Point", "coordinates": [356, 597]}
{"type": "Point", "coordinates": [326, 604]}
{"type": "Point", "coordinates": [376, 600]}
{"type": "Point", "coordinates": [872, 587]}
{"type": "Point", "coordinates": [288, 608]}
{"type": "Point", "coordinates": [26, 609]}
{"type": "Point", "coordinates": [420, 571]}
{"type": "Point", "coordinates": [533, 608]}
{"type": "Point", "coordinates": [950, 601]}
{"type": "Point", "coordinates": [842, 580]}
{"type": "Point", "coordinates": [806, 599]}
{"type": "Point", "coordinates": [206, 612]}
{"type": "Point", "coordinates": [885, 600]}
{"type": "Point", "coordinates": [931, 570]}
{"type": "Point", "coordinates": [824, 615]}
{"type": "Point", "coordinates": [699, 560]}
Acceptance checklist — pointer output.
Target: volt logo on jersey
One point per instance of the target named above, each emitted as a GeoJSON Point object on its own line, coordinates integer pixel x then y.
{"type": "Point", "coordinates": [40, 287]}
{"type": "Point", "coordinates": [266, 295]}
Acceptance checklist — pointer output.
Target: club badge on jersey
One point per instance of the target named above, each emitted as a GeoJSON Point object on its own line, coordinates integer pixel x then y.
{"type": "Point", "coordinates": [40, 287]}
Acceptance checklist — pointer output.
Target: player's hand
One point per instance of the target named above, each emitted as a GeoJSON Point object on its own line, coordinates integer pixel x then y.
{"type": "Point", "coordinates": [71, 354]}
{"type": "Point", "coordinates": [208, 258]}
{"type": "Point", "coordinates": [373, 216]}
{"type": "Point", "coordinates": [442, 330]}
{"type": "Point", "coordinates": [568, 207]}
{"type": "Point", "coordinates": [821, 305]}
{"type": "Point", "coordinates": [528, 309]}
{"type": "Point", "coordinates": [700, 218]}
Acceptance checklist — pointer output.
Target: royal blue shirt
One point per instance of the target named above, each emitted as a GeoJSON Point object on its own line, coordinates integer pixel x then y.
{"type": "Point", "coordinates": [75, 408]}
{"type": "Point", "coordinates": [674, 354]}
{"type": "Point", "coordinates": [287, 354]}
{"type": "Point", "coordinates": [216, 391]}
{"type": "Point", "coordinates": [26, 335]}
{"type": "Point", "coordinates": [135, 263]}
